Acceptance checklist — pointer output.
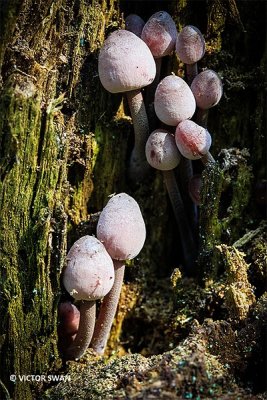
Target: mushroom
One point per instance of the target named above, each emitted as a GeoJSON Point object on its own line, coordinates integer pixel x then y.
{"type": "Point", "coordinates": [121, 229]}
{"type": "Point", "coordinates": [159, 33]}
{"type": "Point", "coordinates": [125, 64]}
{"type": "Point", "coordinates": [88, 276]}
{"type": "Point", "coordinates": [193, 141]}
{"type": "Point", "coordinates": [134, 24]}
{"type": "Point", "coordinates": [190, 47]}
{"type": "Point", "coordinates": [207, 90]}
{"type": "Point", "coordinates": [174, 100]}
{"type": "Point", "coordinates": [69, 318]}
{"type": "Point", "coordinates": [162, 154]}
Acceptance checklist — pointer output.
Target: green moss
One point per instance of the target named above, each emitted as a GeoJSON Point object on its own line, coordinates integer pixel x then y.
{"type": "Point", "coordinates": [209, 224]}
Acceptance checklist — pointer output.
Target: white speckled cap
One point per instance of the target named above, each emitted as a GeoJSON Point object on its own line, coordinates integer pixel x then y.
{"type": "Point", "coordinates": [125, 63]}
{"type": "Point", "coordinates": [160, 33]}
{"type": "Point", "coordinates": [190, 45]}
{"type": "Point", "coordinates": [89, 274]}
{"type": "Point", "coordinates": [161, 150]}
{"type": "Point", "coordinates": [207, 89]}
{"type": "Point", "coordinates": [174, 100]}
{"type": "Point", "coordinates": [121, 227]}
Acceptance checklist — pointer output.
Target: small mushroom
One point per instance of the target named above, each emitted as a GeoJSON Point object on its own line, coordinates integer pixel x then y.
{"type": "Point", "coordinates": [88, 276]}
{"type": "Point", "coordinates": [159, 33]}
{"type": "Point", "coordinates": [193, 141]}
{"type": "Point", "coordinates": [162, 154]}
{"type": "Point", "coordinates": [207, 90]}
{"type": "Point", "coordinates": [190, 48]}
{"type": "Point", "coordinates": [174, 101]}
{"type": "Point", "coordinates": [134, 24]}
{"type": "Point", "coordinates": [125, 64]}
{"type": "Point", "coordinates": [69, 318]}
{"type": "Point", "coordinates": [121, 229]}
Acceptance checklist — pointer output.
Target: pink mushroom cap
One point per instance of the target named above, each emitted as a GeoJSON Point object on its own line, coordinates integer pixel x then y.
{"type": "Point", "coordinates": [121, 227]}
{"type": "Point", "coordinates": [174, 101]}
{"type": "Point", "coordinates": [125, 63]}
{"type": "Point", "coordinates": [192, 140]}
{"type": "Point", "coordinates": [161, 150]}
{"type": "Point", "coordinates": [89, 274]}
{"type": "Point", "coordinates": [160, 33]}
{"type": "Point", "coordinates": [69, 317]}
{"type": "Point", "coordinates": [190, 45]}
{"type": "Point", "coordinates": [207, 89]}
{"type": "Point", "coordinates": [134, 24]}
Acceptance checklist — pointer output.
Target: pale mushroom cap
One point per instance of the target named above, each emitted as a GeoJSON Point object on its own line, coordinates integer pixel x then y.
{"type": "Point", "coordinates": [134, 24]}
{"type": "Point", "coordinates": [190, 45]}
{"type": "Point", "coordinates": [207, 89]}
{"type": "Point", "coordinates": [192, 140]}
{"type": "Point", "coordinates": [89, 274]}
{"type": "Point", "coordinates": [174, 101]}
{"type": "Point", "coordinates": [161, 150]}
{"type": "Point", "coordinates": [160, 33]}
{"type": "Point", "coordinates": [125, 63]}
{"type": "Point", "coordinates": [121, 227]}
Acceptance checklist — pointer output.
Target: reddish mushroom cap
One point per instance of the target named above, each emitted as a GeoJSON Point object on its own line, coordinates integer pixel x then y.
{"type": "Point", "coordinates": [89, 274]}
{"type": "Point", "coordinates": [174, 101]}
{"type": "Point", "coordinates": [160, 33]}
{"type": "Point", "coordinates": [192, 140]}
{"type": "Point", "coordinates": [161, 150]}
{"type": "Point", "coordinates": [190, 45]}
{"type": "Point", "coordinates": [125, 63]}
{"type": "Point", "coordinates": [69, 318]}
{"type": "Point", "coordinates": [134, 24]}
{"type": "Point", "coordinates": [121, 227]}
{"type": "Point", "coordinates": [207, 89]}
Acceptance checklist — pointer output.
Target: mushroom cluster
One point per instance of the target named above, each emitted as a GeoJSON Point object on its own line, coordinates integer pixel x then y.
{"type": "Point", "coordinates": [169, 116]}
{"type": "Point", "coordinates": [176, 102]}
{"type": "Point", "coordinates": [94, 270]}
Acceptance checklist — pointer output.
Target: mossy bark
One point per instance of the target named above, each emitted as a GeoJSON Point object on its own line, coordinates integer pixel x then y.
{"type": "Point", "coordinates": [64, 144]}
{"type": "Point", "coordinates": [51, 106]}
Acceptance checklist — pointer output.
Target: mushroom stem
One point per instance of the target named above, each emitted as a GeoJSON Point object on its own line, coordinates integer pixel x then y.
{"type": "Point", "coordinates": [202, 117]}
{"type": "Point", "coordinates": [108, 310]}
{"type": "Point", "coordinates": [207, 159]}
{"type": "Point", "coordinates": [186, 173]}
{"type": "Point", "coordinates": [138, 164]}
{"type": "Point", "coordinates": [150, 95]}
{"type": "Point", "coordinates": [191, 72]}
{"type": "Point", "coordinates": [85, 331]}
{"type": "Point", "coordinates": [187, 240]}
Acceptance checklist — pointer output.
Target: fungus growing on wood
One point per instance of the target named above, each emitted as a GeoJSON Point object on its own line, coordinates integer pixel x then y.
{"type": "Point", "coordinates": [122, 231]}
{"type": "Point", "coordinates": [193, 141]}
{"type": "Point", "coordinates": [125, 64]}
{"type": "Point", "coordinates": [174, 101]}
{"type": "Point", "coordinates": [162, 154]}
{"type": "Point", "coordinates": [88, 276]}
{"type": "Point", "coordinates": [134, 24]}
{"type": "Point", "coordinates": [207, 89]}
{"type": "Point", "coordinates": [190, 48]}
